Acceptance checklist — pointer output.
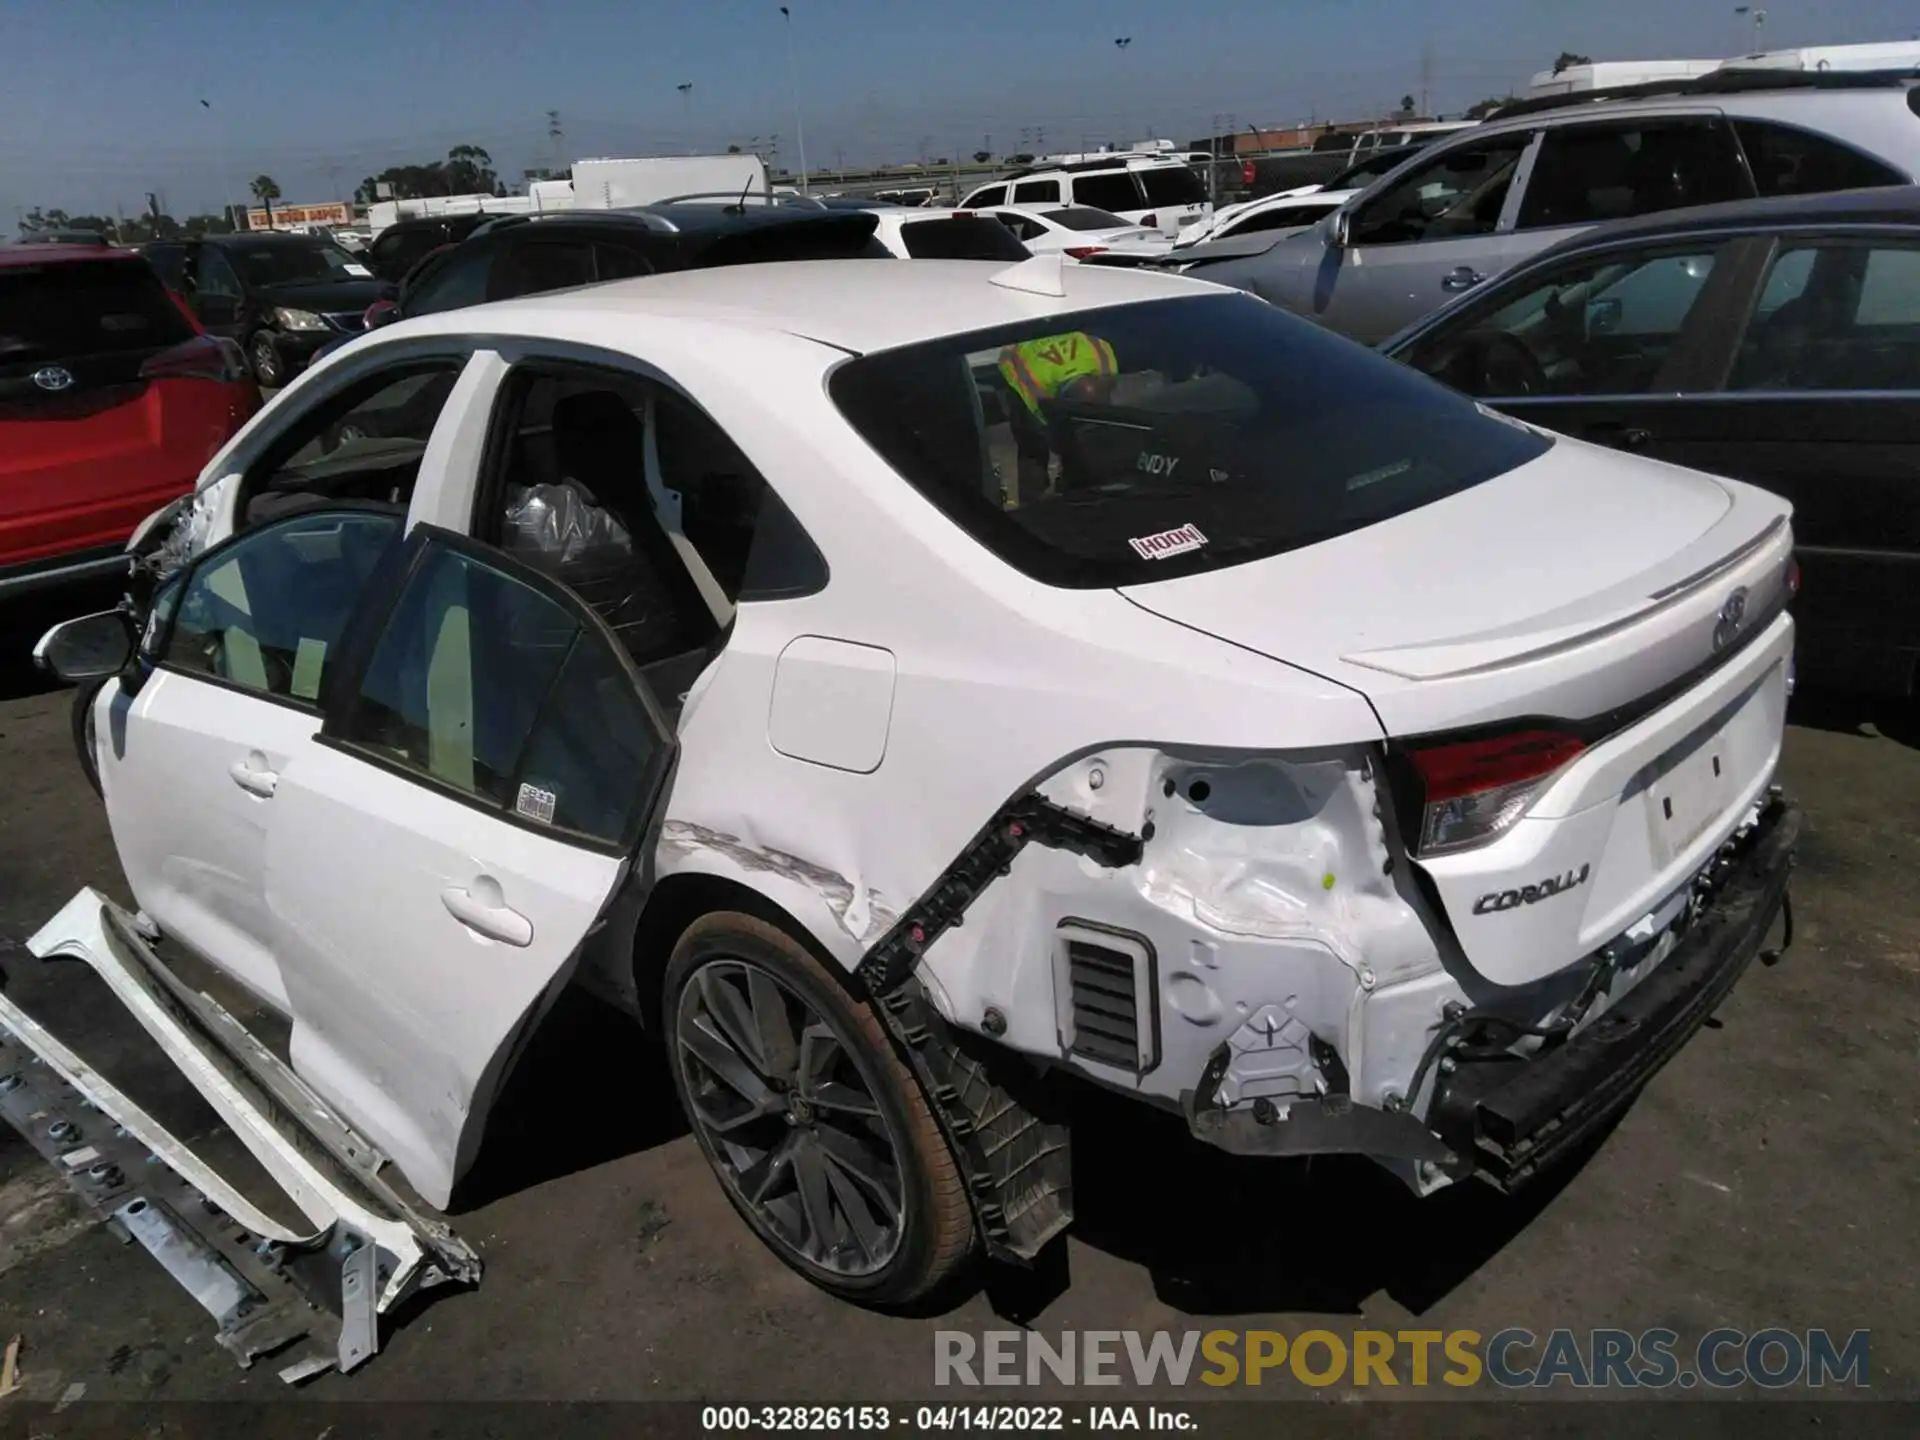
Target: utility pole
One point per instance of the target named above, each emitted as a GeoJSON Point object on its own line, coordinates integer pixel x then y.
{"type": "Point", "coordinates": [793, 88]}
{"type": "Point", "coordinates": [554, 135]}
{"type": "Point", "coordinates": [685, 87]}
{"type": "Point", "coordinates": [1426, 79]}
{"type": "Point", "coordinates": [1759, 22]}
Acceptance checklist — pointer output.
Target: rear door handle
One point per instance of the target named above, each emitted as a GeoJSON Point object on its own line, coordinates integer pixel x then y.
{"type": "Point", "coordinates": [253, 776]}
{"type": "Point", "coordinates": [483, 909]}
{"type": "Point", "coordinates": [1621, 437]}
{"type": "Point", "coordinates": [1463, 277]}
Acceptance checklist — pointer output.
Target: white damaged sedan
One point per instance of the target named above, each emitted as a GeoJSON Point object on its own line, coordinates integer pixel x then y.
{"type": "Point", "coordinates": [1307, 751]}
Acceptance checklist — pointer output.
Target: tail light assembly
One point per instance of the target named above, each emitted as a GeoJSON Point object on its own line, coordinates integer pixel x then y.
{"type": "Point", "coordinates": [205, 357]}
{"type": "Point", "coordinates": [1081, 252]}
{"type": "Point", "coordinates": [1473, 791]}
{"type": "Point", "coordinates": [380, 312]}
{"type": "Point", "coordinates": [1247, 172]}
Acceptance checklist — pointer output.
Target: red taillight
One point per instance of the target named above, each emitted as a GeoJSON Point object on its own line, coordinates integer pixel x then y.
{"type": "Point", "coordinates": [1246, 172]}
{"type": "Point", "coordinates": [1793, 578]}
{"type": "Point", "coordinates": [380, 312]}
{"type": "Point", "coordinates": [1081, 252]}
{"type": "Point", "coordinates": [1474, 790]}
{"type": "Point", "coordinates": [205, 357]}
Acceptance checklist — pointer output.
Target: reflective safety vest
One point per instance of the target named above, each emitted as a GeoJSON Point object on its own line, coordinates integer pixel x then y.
{"type": "Point", "coordinates": [1038, 370]}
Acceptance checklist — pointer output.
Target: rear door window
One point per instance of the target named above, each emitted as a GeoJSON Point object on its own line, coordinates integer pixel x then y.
{"type": "Point", "coordinates": [70, 308]}
{"type": "Point", "coordinates": [1143, 442]}
{"type": "Point", "coordinates": [1786, 161]}
{"type": "Point", "coordinates": [1169, 185]}
{"type": "Point", "coordinates": [452, 282]}
{"type": "Point", "coordinates": [1587, 174]}
{"type": "Point", "coordinates": [1114, 190]}
{"type": "Point", "coordinates": [1839, 315]}
{"type": "Point", "coordinates": [961, 237]}
{"type": "Point", "coordinates": [986, 195]}
{"type": "Point", "coordinates": [1037, 192]}
{"type": "Point", "coordinates": [536, 266]}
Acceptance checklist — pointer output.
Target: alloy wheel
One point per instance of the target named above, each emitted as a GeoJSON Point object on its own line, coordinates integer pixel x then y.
{"type": "Point", "coordinates": [788, 1112]}
{"type": "Point", "coordinates": [266, 362]}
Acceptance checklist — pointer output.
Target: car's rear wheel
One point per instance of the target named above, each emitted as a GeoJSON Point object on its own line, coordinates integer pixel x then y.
{"type": "Point", "coordinates": [821, 1137]}
{"type": "Point", "coordinates": [268, 367]}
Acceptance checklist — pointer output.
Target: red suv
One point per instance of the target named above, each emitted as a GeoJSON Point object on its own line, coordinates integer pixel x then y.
{"type": "Point", "coordinates": [111, 401]}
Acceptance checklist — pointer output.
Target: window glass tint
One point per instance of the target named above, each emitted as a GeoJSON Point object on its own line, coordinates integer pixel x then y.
{"type": "Point", "coordinates": [285, 261]}
{"type": "Point", "coordinates": [1589, 173]}
{"type": "Point", "coordinates": [988, 195]}
{"type": "Point", "coordinates": [970, 237]}
{"type": "Point", "coordinates": [1605, 327]}
{"type": "Point", "coordinates": [457, 280]}
{"type": "Point", "coordinates": [267, 612]}
{"type": "Point", "coordinates": [214, 277]}
{"type": "Point", "coordinates": [1024, 227]}
{"type": "Point", "coordinates": [84, 307]}
{"type": "Point", "coordinates": [589, 757]}
{"type": "Point", "coordinates": [532, 267]}
{"type": "Point", "coordinates": [1286, 217]}
{"type": "Point", "coordinates": [1835, 317]}
{"type": "Point", "coordinates": [1037, 192]}
{"type": "Point", "coordinates": [1785, 161]}
{"type": "Point", "coordinates": [1148, 441]}
{"type": "Point", "coordinates": [1112, 191]}
{"type": "Point", "coordinates": [1460, 193]}
{"type": "Point", "coordinates": [367, 447]}
{"type": "Point", "coordinates": [1083, 217]}
{"type": "Point", "coordinates": [619, 262]}
{"type": "Point", "coordinates": [1169, 185]}
{"type": "Point", "coordinates": [459, 674]}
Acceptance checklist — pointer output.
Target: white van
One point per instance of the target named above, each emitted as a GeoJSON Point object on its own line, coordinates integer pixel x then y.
{"type": "Point", "coordinates": [1160, 193]}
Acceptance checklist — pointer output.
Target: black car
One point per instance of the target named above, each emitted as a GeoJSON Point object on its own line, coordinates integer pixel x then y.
{"type": "Point", "coordinates": [513, 255]}
{"type": "Point", "coordinates": [1773, 341]}
{"type": "Point", "coordinates": [404, 244]}
{"type": "Point", "coordinates": [282, 297]}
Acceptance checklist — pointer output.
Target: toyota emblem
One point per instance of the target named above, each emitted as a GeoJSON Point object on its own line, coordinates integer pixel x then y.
{"type": "Point", "coordinates": [1731, 614]}
{"type": "Point", "coordinates": [53, 377]}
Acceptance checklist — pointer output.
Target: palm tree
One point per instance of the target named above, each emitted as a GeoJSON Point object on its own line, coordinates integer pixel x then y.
{"type": "Point", "coordinates": [266, 190]}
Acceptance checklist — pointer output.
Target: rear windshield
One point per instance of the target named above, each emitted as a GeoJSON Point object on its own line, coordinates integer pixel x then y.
{"type": "Point", "coordinates": [1148, 441]}
{"type": "Point", "coordinates": [1173, 185]}
{"type": "Point", "coordinates": [1080, 217]}
{"type": "Point", "coordinates": [971, 237]}
{"type": "Point", "coordinates": [84, 307]}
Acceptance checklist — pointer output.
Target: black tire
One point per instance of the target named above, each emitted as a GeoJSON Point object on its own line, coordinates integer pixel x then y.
{"type": "Point", "coordinates": [726, 953]}
{"type": "Point", "coordinates": [83, 698]}
{"type": "Point", "coordinates": [269, 367]}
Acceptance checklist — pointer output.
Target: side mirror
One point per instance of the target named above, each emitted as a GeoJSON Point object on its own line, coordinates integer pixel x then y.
{"type": "Point", "coordinates": [1340, 229]}
{"type": "Point", "coordinates": [382, 312]}
{"type": "Point", "coordinates": [91, 647]}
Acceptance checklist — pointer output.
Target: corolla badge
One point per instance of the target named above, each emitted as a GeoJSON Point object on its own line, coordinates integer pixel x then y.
{"type": "Point", "coordinates": [53, 377]}
{"type": "Point", "coordinates": [1731, 615]}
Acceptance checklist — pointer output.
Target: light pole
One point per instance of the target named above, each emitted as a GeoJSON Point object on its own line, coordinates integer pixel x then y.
{"type": "Point", "coordinates": [685, 87]}
{"type": "Point", "coordinates": [793, 88]}
{"type": "Point", "coordinates": [1123, 43]}
{"type": "Point", "coordinates": [220, 148]}
{"type": "Point", "coordinates": [1759, 21]}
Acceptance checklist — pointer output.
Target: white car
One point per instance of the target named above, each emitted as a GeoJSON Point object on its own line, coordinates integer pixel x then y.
{"type": "Point", "coordinates": [1293, 210]}
{"type": "Point", "coordinates": [1309, 751]}
{"type": "Point", "coordinates": [1161, 192]}
{"type": "Point", "coordinates": [940, 234]}
{"type": "Point", "coordinates": [1080, 232]}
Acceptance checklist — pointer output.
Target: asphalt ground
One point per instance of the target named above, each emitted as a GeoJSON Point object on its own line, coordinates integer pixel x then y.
{"type": "Point", "coordinates": [1765, 1178]}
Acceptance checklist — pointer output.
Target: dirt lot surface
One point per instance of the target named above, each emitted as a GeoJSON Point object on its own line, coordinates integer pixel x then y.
{"type": "Point", "coordinates": [1765, 1178]}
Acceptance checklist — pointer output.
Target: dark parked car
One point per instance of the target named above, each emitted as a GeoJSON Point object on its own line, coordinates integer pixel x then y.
{"type": "Point", "coordinates": [513, 255]}
{"type": "Point", "coordinates": [404, 244]}
{"type": "Point", "coordinates": [1773, 341]}
{"type": "Point", "coordinates": [282, 297]}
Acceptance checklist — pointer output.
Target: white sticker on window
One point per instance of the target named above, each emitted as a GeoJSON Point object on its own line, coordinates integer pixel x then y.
{"type": "Point", "coordinates": [357, 270]}
{"type": "Point", "coordinates": [309, 658]}
{"type": "Point", "coordinates": [1374, 477]}
{"type": "Point", "coordinates": [1168, 542]}
{"type": "Point", "coordinates": [535, 803]}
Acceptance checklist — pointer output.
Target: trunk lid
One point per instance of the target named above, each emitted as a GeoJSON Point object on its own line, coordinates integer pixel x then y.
{"type": "Point", "coordinates": [1569, 586]}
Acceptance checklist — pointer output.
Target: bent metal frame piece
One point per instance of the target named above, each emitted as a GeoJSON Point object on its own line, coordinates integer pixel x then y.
{"type": "Point", "coordinates": [369, 1250]}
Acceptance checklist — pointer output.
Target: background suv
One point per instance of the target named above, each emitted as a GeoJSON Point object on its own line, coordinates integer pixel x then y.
{"type": "Point", "coordinates": [1467, 208]}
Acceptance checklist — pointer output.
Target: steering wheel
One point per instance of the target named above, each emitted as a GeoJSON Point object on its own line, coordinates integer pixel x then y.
{"type": "Point", "coordinates": [1508, 366]}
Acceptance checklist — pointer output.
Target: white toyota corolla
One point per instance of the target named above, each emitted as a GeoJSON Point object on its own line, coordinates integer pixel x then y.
{"type": "Point", "coordinates": [1307, 750]}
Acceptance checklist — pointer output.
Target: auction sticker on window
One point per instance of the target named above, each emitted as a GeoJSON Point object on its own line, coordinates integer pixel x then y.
{"type": "Point", "coordinates": [1168, 543]}
{"type": "Point", "coordinates": [535, 803]}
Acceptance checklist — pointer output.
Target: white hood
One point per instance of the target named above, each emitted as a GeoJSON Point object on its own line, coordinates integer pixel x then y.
{"type": "Point", "coordinates": [1576, 583]}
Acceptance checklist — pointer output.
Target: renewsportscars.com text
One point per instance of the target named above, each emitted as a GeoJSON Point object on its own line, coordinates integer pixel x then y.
{"type": "Point", "coordinates": [1513, 1358]}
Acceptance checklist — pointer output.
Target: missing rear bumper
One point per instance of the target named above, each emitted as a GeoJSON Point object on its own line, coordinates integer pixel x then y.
{"type": "Point", "coordinates": [1515, 1116]}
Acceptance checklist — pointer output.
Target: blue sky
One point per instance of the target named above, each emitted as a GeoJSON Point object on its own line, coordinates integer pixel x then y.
{"type": "Point", "coordinates": [99, 99]}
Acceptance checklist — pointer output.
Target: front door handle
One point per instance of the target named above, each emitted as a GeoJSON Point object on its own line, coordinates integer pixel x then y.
{"type": "Point", "coordinates": [1461, 277]}
{"type": "Point", "coordinates": [483, 909]}
{"type": "Point", "coordinates": [1620, 437]}
{"type": "Point", "coordinates": [253, 776]}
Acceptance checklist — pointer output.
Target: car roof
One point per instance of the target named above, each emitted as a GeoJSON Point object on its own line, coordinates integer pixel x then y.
{"type": "Point", "coordinates": [1882, 205]}
{"type": "Point", "coordinates": [59, 252]}
{"type": "Point", "coordinates": [259, 237]}
{"type": "Point", "coordinates": [853, 305]}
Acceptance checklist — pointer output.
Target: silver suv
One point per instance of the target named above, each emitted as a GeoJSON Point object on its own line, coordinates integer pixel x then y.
{"type": "Point", "coordinates": [1467, 208]}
